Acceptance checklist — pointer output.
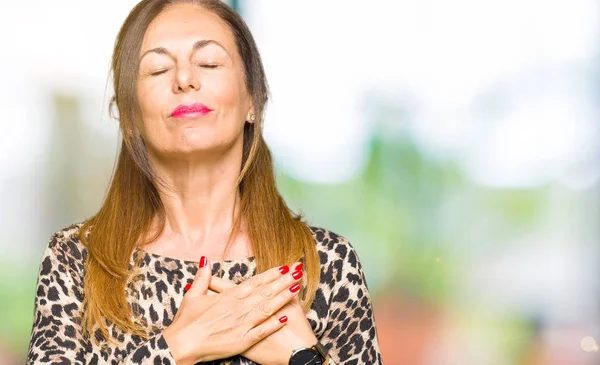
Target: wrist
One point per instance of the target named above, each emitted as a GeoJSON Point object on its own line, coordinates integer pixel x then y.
{"type": "Point", "coordinates": [295, 344]}
{"type": "Point", "coordinates": [312, 353]}
{"type": "Point", "coordinates": [177, 347]}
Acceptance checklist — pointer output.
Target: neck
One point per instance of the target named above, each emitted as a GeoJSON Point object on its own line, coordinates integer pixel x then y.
{"type": "Point", "coordinates": [201, 200]}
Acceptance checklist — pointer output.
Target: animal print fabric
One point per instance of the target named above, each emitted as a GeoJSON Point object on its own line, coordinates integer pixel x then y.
{"type": "Point", "coordinates": [341, 315]}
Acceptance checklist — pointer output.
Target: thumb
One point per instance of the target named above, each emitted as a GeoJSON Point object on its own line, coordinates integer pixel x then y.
{"type": "Point", "coordinates": [202, 278]}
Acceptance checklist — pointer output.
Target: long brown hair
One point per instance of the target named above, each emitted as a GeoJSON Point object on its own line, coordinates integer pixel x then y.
{"type": "Point", "coordinates": [277, 235]}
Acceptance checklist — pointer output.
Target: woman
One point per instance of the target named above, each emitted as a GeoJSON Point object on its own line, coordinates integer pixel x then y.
{"type": "Point", "coordinates": [194, 256]}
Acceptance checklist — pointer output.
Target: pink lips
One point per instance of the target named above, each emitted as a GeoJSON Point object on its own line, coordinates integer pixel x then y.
{"type": "Point", "coordinates": [190, 111]}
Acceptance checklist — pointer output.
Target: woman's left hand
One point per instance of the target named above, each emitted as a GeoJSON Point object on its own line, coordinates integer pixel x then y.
{"type": "Point", "coordinates": [277, 348]}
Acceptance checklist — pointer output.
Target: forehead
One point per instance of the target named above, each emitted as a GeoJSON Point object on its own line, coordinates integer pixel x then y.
{"type": "Point", "coordinates": [181, 25]}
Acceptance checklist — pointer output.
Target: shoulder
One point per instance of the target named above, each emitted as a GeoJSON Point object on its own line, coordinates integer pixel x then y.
{"type": "Point", "coordinates": [333, 248]}
{"type": "Point", "coordinates": [66, 248]}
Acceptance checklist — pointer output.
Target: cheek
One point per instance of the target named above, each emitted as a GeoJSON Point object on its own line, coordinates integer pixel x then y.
{"type": "Point", "coordinates": [149, 97]}
{"type": "Point", "coordinates": [230, 95]}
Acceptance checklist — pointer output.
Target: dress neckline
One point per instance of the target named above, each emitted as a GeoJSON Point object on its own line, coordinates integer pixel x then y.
{"type": "Point", "coordinates": [163, 258]}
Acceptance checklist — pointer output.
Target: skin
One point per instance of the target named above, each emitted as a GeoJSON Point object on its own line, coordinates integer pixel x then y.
{"type": "Point", "coordinates": [275, 349]}
{"type": "Point", "coordinates": [200, 158]}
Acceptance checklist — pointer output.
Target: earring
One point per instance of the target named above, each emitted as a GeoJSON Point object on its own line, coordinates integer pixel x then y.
{"type": "Point", "coordinates": [252, 117]}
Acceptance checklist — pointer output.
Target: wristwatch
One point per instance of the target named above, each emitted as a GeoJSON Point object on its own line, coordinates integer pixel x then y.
{"type": "Point", "coordinates": [316, 355]}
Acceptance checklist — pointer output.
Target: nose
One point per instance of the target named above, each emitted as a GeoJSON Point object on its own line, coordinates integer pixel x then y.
{"type": "Point", "coordinates": [186, 79]}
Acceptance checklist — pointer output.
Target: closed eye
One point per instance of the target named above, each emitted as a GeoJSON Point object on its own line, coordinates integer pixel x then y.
{"type": "Point", "coordinates": [159, 72]}
{"type": "Point", "coordinates": [207, 65]}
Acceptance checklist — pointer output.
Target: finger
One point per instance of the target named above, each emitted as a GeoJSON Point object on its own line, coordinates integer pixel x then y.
{"type": "Point", "coordinates": [296, 300]}
{"type": "Point", "coordinates": [249, 286]}
{"type": "Point", "coordinates": [298, 266]}
{"type": "Point", "coordinates": [264, 329]}
{"type": "Point", "coordinates": [274, 288]}
{"type": "Point", "coordinates": [202, 278]}
{"type": "Point", "coordinates": [265, 308]}
{"type": "Point", "coordinates": [219, 285]}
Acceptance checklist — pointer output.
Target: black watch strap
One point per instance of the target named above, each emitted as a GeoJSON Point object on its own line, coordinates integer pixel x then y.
{"type": "Point", "coordinates": [317, 354]}
{"type": "Point", "coordinates": [321, 350]}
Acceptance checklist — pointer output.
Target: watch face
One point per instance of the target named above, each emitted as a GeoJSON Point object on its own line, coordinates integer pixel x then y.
{"type": "Point", "coordinates": [306, 357]}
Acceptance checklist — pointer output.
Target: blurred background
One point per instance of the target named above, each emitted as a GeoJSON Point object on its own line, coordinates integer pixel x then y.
{"type": "Point", "coordinates": [456, 144]}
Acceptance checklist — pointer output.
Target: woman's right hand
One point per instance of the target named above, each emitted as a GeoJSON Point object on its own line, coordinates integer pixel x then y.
{"type": "Point", "coordinates": [210, 327]}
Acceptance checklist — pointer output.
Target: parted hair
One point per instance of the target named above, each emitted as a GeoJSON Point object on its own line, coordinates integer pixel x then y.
{"type": "Point", "coordinates": [132, 202]}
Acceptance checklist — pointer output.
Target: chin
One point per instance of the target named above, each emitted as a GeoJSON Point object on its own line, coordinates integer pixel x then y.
{"type": "Point", "coordinates": [203, 146]}
{"type": "Point", "coordinates": [196, 142]}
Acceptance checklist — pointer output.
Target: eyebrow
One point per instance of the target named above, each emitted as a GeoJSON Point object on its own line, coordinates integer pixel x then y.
{"type": "Point", "coordinates": [198, 45]}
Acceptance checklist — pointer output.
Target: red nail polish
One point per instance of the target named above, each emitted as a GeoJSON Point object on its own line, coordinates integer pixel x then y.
{"type": "Point", "coordinates": [298, 267]}
{"type": "Point", "coordinates": [294, 288]}
{"type": "Point", "coordinates": [297, 275]}
{"type": "Point", "coordinates": [203, 261]}
{"type": "Point", "coordinates": [188, 287]}
{"type": "Point", "coordinates": [283, 319]}
{"type": "Point", "coordinates": [284, 269]}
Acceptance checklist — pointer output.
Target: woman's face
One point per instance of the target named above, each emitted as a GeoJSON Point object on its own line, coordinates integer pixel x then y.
{"type": "Point", "coordinates": [190, 87]}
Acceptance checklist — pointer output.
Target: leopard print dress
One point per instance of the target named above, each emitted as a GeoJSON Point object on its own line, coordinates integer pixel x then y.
{"type": "Point", "coordinates": [341, 315]}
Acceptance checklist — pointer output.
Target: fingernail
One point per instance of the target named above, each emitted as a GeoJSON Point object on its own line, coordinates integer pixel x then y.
{"type": "Point", "coordinates": [284, 269]}
{"type": "Point", "coordinates": [203, 261]}
{"type": "Point", "coordinates": [283, 319]}
{"type": "Point", "coordinates": [298, 267]}
{"type": "Point", "coordinates": [297, 275]}
{"type": "Point", "coordinates": [188, 287]}
{"type": "Point", "coordinates": [294, 288]}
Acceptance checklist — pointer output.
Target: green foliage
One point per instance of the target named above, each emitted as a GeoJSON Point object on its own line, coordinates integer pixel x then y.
{"type": "Point", "coordinates": [16, 309]}
{"type": "Point", "coordinates": [408, 214]}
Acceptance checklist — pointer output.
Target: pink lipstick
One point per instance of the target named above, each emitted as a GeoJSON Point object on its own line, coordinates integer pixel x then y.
{"type": "Point", "coordinates": [190, 111]}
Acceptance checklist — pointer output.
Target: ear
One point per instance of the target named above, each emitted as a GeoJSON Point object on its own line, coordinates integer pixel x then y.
{"type": "Point", "coordinates": [251, 116]}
